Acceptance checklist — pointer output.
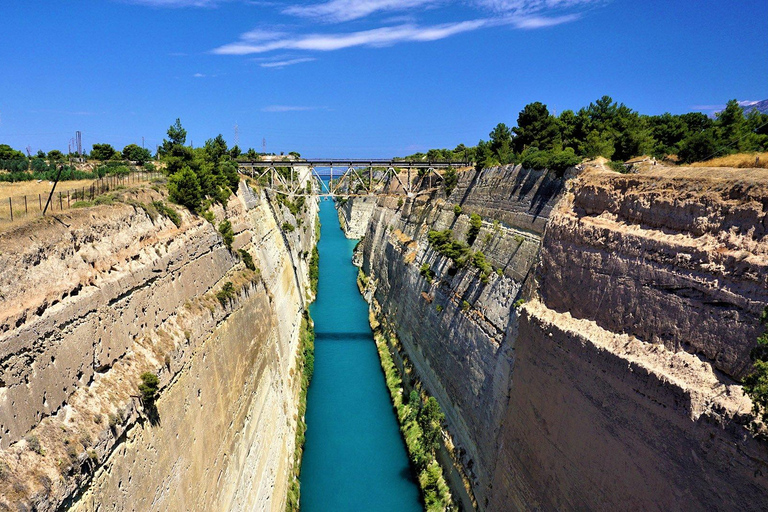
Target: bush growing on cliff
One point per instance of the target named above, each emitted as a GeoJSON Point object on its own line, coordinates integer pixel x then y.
{"type": "Point", "coordinates": [475, 223]}
{"type": "Point", "coordinates": [247, 259]}
{"type": "Point", "coordinates": [287, 227]}
{"type": "Point", "coordinates": [226, 293]}
{"type": "Point", "coordinates": [450, 179]}
{"type": "Point", "coordinates": [148, 388]}
{"type": "Point", "coordinates": [227, 233]}
{"type": "Point", "coordinates": [184, 189]}
{"type": "Point", "coordinates": [457, 210]}
{"type": "Point", "coordinates": [314, 270]}
{"type": "Point", "coordinates": [445, 245]}
{"type": "Point", "coordinates": [756, 383]}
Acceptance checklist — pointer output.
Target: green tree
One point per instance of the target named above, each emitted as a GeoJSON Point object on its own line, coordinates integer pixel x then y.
{"type": "Point", "coordinates": [136, 153]}
{"type": "Point", "coordinates": [148, 388]}
{"type": "Point", "coordinates": [475, 223]}
{"type": "Point", "coordinates": [184, 189]}
{"type": "Point", "coordinates": [55, 155]}
{"type": "Point", "coordinates": [8, 153]}
{"type": "Point", "coordinates": [501, 135]}
{"type": "Point", "coordinates": [536, 128]}
{"type": "Point", "coordinates": [216, 148]}
{"type": "Point", "coordinates": [450, 179]}
{"type": "Point", "coordinates": [731, 126]}
{"type": "Point", "coordinates": [235, 151]}
{"type": "Point", "coordinates": [430, 418]}
{"type": "Point", "coordinates": [102, 152]}
{"type": "Point", "coordinates": [697, 147]}
{"type": "Point", "coordinates": [177, 136]}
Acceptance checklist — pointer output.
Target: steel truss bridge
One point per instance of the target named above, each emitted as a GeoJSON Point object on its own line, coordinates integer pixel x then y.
{"type": "Point", "coordinates": [354, 177]}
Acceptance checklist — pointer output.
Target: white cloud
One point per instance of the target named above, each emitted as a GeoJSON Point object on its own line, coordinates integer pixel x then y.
{"type": "Point", "coordinates": [175, 3]}
{"type": "Point", "coordinates": [346, 10]}
{"type": "Point", "coordinates": [283, 63]}
{"type": "Point", "coordinates": [288, 108]}
{"type": "Point", "coordinates": [198, 75]}
{"type": "Point", "coordinates": [379, 37]}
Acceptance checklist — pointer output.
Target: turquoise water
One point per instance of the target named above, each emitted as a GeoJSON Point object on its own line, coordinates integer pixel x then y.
{"type": "Point", "coordinates": [354, 457]}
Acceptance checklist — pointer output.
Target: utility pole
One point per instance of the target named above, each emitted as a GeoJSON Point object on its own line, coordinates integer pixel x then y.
{"type": "Point", "coordinates": [264, 145]}
{"type": "Point", "coordinates": [142, 141]}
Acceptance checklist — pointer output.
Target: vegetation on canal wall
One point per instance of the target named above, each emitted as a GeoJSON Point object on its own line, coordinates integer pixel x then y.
{"type": "Point", "coordinates": [420, 421]}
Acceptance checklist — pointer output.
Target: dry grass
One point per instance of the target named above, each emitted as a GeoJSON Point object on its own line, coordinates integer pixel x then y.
{"type": "Point", "coordinates": [33, 188]}
{"type": "Point", "coordinates": [740, 160]}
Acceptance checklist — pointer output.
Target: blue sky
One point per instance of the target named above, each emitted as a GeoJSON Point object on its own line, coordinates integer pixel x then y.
{"type": "Point", "coordinates": [359, 78]}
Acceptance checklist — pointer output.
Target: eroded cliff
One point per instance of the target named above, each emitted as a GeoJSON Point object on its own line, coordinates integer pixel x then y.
{"type": "Point", "coordinates": [597, 366]}
{"type": "Point", "coordinates": [93, 298]}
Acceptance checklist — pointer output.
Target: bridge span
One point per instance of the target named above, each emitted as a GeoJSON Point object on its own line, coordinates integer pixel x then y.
{"type": "Point", "coordinates": [354, 177]}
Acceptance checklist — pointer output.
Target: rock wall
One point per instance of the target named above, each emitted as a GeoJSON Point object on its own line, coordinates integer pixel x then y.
{"type": "Point", "coordinates": [135, 293]}
{"type": "Point", "coordinates": [614, 384]}
{"type": "Point", "coordinates": [354, 216]}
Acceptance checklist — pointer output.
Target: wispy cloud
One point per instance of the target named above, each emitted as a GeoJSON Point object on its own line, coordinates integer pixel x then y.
{"type": "Point", "coordinates": [199, 75]}
{"type": "Point", "coordinates": [175, 3]}
{"type": "Point", "coordinates": [288, 108]}
{"type": "Point", "coordinates": [284, 63]}
{"type": "Point", "coordinates": [337, 11]}
{"type": "Point", "coordinates": [379, 37]}
{"type": "Point", "coordinates": [346, 10]}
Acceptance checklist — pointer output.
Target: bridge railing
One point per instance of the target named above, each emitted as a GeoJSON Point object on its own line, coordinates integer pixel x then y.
{"type": "Point", "coordinates": [359, 178]}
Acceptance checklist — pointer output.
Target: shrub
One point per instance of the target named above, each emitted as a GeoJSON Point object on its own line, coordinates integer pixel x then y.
{"type": "Point", "coordinates": [169, 212]}
{"type": "Point", "coordinates": [445, 245]}
{"type": "Point", "coordinates": [226, 293]}
{"type": "Point", "coordinates": [184, 189]}
{"type": "Point", "coordinates": [33, 443]}
{"type": "Point", "coordinates": [465, 306]}
{"type": "Point", "coordinates": [148, 388]}
{"type": "Point", "coordinates": [756, 383]}
{"type": "Point", "coordinates": [287, 227]}
{"type": "Point", "coordinates": [314, 270]}
{"type": "Point", "coordinates": [226, 232]}
{"type": "Point", "coordinates": [518, 303]}
{"type": "Point", "coordinates": [450, 179]}
{"type": "Point", "coordinates": [427, 272]}
{"type": "Point", "coordinates": [208, 215]}
{"type": "Point", "coordinates": [247, 259]}
{"type": "Point", "coordinates": [475, 223]}
{"type": "Point", "coordinates": [457, 210]}
{"type": "Point", "coordinates": [618, 167]}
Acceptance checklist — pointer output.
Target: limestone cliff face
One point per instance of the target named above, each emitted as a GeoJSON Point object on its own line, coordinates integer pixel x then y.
{"type": "Point", "coordinates": [614, 385]}
{"type": "Point", "coordinates": [354, 216]}
{"type": "Point", "coordinates": [98, 296]}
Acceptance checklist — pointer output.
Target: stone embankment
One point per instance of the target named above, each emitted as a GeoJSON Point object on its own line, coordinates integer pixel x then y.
{"type": "Point", "coordinates": [598, 365]}
{"type": "Point", "coordinates": [93, 298]}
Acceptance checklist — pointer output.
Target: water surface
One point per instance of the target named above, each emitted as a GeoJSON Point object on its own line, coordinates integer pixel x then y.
{"type": "Point", "coordinates": [354, 457]}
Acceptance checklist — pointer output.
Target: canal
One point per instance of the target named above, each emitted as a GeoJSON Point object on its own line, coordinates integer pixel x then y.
{"type": "Point", "coordinates": [354, 457]}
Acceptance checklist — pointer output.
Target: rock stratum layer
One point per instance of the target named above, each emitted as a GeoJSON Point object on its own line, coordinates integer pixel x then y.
{"type": "Point", "coordinates": [95, 297]}
{"type": "Point", "coordinates": [598, 366]}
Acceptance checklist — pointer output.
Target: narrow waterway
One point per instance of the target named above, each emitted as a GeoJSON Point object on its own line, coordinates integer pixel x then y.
{"type": "Point", "coordinates": [354, 456]}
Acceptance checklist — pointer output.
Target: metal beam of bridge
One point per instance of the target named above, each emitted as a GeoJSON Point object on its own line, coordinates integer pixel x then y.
{"type": "Point", "coordinates": [323, 162]}
{"type": "Point", "coordinates": [359, 178]}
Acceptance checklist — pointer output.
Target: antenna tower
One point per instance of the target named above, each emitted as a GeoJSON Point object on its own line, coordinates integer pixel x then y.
{"type": "Point", "coordinates": [237, 135]}
{"type": "Point", "coordinates": [79, 143]}
{"type": "Point", "coordinates": [264, 145]}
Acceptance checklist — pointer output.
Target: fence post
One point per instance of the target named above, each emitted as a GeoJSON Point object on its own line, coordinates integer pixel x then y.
{"type": "Point", "coordinates": [10, 206]}
{"type": "Point", "coordinates": [26, 210]}
{"type": "Point", "coordinates": [67, 198]}
{"type": "Point", "coordinates": [61, 203]}
{"type": "Point", "coordinates": [40, 201]}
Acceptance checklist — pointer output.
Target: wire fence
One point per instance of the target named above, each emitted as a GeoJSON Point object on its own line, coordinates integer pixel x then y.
{"type": "Point", "coordinates": [21, 207]}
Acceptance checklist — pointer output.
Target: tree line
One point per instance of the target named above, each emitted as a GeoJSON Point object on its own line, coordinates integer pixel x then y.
{"type": "Point", "coordinates": [612, 130]}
